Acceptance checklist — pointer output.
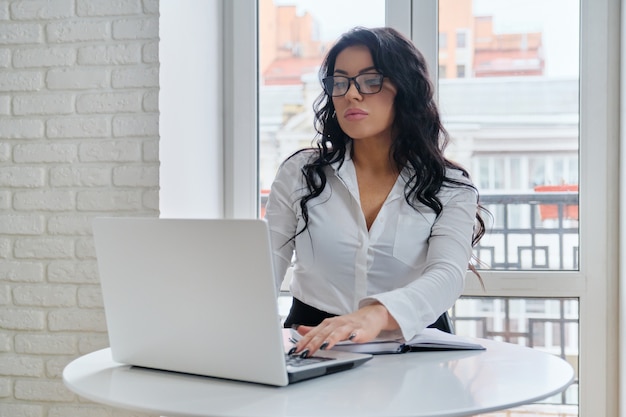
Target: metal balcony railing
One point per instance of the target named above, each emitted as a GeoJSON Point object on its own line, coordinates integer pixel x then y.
{"type": "Point", "coordinates": [531, 231]}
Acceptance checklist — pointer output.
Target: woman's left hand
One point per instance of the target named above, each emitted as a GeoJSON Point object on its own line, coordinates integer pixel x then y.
{"type": "Point", "coordinates": [360, 326]}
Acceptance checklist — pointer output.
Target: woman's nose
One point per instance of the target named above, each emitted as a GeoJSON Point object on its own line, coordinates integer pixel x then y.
{"type": "Point", "coordinates": [353, 92]}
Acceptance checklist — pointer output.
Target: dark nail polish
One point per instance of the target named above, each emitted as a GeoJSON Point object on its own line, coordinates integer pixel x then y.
{"type": "Point", "coordinates": [292, 351]}
{"type": "Point", "coordinates": [324, 346]}
{"type": "Point", "coordinates": [305, 353]}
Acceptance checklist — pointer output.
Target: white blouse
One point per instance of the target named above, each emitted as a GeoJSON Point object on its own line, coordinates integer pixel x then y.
{"type": "Point", "coordinates": [412, 262]}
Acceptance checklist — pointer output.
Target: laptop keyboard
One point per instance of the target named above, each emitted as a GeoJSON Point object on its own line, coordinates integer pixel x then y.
{"type": "Point", "coordinates": [295, 360]}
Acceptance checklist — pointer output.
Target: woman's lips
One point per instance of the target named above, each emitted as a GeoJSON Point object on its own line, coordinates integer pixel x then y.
{"type": "Point", "coordinates": [354, 114]}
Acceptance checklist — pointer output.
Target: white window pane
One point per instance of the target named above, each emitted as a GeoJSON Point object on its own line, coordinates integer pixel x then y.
{"type": "Point", "coordinates": [294, 36]}
{"type": "Point", "coordinates": [512, 111]}
{"type": "Point", "coordinates": [513, 119]}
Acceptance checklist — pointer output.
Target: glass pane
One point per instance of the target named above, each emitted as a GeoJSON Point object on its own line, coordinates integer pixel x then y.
{"type": "Point", "coordinates": [508, 92]}
{"type": "Point", "coordinates": [294, 35]}
{"type": "Point", "coordinates": [547, 324]}
{"type": "Point", "coordinates": [513, 116]}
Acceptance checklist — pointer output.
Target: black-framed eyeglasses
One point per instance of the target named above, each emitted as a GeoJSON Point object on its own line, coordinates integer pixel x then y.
{"type": "Point", "coordinates": [368, 83]}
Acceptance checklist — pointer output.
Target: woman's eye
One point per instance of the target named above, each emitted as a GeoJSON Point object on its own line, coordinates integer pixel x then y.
{"type": "Point", "coordinates": [373, 82]}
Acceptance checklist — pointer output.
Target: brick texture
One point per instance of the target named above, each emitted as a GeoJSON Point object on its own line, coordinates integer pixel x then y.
{"type": "Point", "coordinates": [79, 133]}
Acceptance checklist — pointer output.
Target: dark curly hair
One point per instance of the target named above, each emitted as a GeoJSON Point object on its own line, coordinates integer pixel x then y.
{"type": "Point", "coordinates": [420, 138]}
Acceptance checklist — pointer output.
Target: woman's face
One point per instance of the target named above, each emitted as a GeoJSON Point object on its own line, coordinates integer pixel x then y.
{"type": "Point", "coordinates": [363, 116]}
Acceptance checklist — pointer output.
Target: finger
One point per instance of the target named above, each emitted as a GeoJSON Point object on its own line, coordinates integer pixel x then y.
{"type": "Point", "coordinates": [332, 335]}
{"type": "Point", "coordinates": [315, 338]}
{"type": "Point", "coordinates": [307, 341]}
{"type": "Point", "coordinates": [324, 335]}
{"type": "Point", "coordinates": [328, 333]}
{"type": "Point", "coordinates": [303, 330]}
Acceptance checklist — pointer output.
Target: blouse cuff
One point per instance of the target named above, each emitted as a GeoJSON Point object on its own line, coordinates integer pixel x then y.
{"type": "Point", "coordinates": [406, 330]}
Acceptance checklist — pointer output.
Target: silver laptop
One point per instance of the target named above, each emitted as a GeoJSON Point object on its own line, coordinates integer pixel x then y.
{"type": "Point", "coordinates": [198, 296]}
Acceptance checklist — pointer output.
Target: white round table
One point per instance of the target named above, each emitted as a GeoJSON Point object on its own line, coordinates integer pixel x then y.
{"type": "Point", "coordinates": [416, 384]}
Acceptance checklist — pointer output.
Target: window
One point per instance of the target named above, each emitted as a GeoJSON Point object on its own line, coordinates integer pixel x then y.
{"type": "Point", "coordinates": [461, 39]}
{"type": "Point", "coordinates": [584, 286]}
{"type": "Point", "coordinates": [289, 82]}
{"type": "Point", "coordinates": [514, 157]}
{"type": "Point", "coordinates": [460, 71]}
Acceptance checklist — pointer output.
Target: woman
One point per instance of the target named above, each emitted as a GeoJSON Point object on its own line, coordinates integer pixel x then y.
{"type": "Point", "coordinates": [379, 223]}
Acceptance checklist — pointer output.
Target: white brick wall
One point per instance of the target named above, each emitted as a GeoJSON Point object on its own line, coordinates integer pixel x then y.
{"type": "Point", "coordinates": [79, 128]}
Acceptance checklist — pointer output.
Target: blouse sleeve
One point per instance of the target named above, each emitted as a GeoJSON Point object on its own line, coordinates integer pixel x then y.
{"type": "Point", "coordinates": [281, 215]}
{"type": "Point", "coordinates": [429, 295]}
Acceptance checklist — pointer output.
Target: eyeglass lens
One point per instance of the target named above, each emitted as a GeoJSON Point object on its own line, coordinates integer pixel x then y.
{"type": "Point", "coordinates": [338, 85]}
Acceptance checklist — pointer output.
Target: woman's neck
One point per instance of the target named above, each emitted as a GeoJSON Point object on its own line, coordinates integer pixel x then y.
{"type": "Point", "coordinates": [373, 156]}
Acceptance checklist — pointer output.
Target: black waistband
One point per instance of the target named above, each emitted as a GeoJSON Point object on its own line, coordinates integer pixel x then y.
{"type": "Point", "coordinates": [302, 313]}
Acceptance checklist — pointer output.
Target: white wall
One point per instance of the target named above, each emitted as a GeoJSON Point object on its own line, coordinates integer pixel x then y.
{"type": "Point", "coordinates": [79, 137]}
{"type": "Point", "coordinates": [191, 112]}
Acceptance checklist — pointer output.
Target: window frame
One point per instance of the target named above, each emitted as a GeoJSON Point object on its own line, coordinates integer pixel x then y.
{"type": "Point", "coordinates": [240, 97]}
{"type": "Point", "coordinates": [595, 284]}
